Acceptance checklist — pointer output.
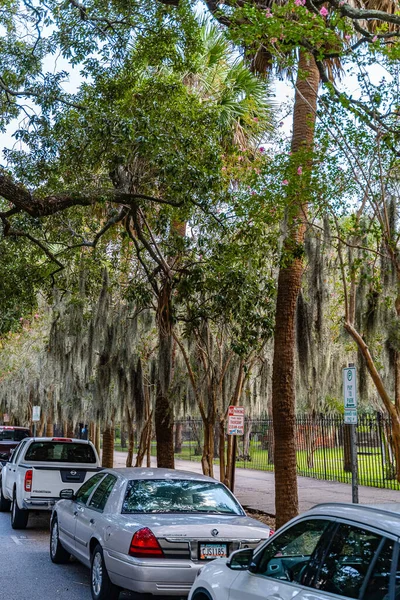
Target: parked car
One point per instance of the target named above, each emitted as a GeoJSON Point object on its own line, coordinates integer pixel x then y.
{"type": "Point", "coordinates": [149, 530]}
{"type": "Point", "coordinates": [39, 469]}
{"type": "Point", "coordinates": [10, 437]}
{"type": "Point", "coordinates": [332, 551]}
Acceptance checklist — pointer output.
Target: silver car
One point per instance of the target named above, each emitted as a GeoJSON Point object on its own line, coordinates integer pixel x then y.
{"type": "Point", "coordinates": [149, 530]}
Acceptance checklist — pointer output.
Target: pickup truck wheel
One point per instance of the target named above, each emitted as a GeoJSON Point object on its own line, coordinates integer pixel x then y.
{"type": "Point", "coordinates": [58, 553]}
{"type": "Point", "coordinates": [5, 504]}
{"type": "Point", "coordinates": [101, 586]}
{"type": "Point", "coordinates": [19, 516]}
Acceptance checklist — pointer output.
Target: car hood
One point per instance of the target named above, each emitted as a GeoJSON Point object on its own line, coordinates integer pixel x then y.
{"type": "Point", "coordinates": [199, 526]}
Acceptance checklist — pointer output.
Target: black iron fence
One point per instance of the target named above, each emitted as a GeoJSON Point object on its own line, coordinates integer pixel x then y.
{"type": "Point", "coordinates": [323, 448]}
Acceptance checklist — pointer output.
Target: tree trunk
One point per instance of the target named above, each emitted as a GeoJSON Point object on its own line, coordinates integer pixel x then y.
{"type": "Point", "coordinates": [131, 438]}
{"type": "Point", "coordinates": [50, 425]}
{"type": "Point", "coordinates": [178, 437]}
{"type": "Point", "coordinates": [108, 446]}
{"type": "Point", "coordinates": [123, 435]}
{"type": "Point", "coordinates": [97, 438]}
{"type": "Point", "coordinates": [207, 459]}
{"type": "Point", "coordinates": [289, 282]}
{"type": "Point", "coordinates": [222, 449]}
{"type": "Point", "coordinates": [164, 414]}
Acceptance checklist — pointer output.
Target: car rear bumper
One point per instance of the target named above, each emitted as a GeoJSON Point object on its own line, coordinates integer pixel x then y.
{"type": "Point", "coordinates": [160, 577]}
{"type": "Point", "coordinates": [39, 503]}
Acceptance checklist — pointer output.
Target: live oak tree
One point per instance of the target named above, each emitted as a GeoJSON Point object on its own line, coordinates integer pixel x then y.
{"type": "Point", "coordinates": [139, 148]}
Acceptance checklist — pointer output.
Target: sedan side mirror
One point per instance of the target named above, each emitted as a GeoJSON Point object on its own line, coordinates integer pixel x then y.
{"type": "Point", "coordinates": [67, 494]}
{"type": "Point", "coordinates": [240, 560]}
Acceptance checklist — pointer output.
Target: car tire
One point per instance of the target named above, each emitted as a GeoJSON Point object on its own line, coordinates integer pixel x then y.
{"type": "Point", "coordinates": [101, 586]}
{"type": "Point", "coordinates": [5, 504]}
{"type": "Point", "coordinates": [58, 554]}
{"type": "Point", "coordinates": [19, 516]}
{"type": "Point", "coordinates": [201, 596]}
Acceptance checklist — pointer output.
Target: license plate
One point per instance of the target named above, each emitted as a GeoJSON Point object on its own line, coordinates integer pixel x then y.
{"type": "Point", "coordinates": [211, 551]}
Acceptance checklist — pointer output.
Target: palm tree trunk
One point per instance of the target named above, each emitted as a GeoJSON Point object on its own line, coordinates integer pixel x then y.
{"type": "Point", "coordinates": [289, 282]}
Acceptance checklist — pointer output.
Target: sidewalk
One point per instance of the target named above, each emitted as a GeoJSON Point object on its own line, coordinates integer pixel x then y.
{"type": "Point", "coordinates": [255, 489]}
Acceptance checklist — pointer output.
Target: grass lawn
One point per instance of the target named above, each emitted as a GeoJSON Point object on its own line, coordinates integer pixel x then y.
{"type": "Point", "coordinates": [327, 463]}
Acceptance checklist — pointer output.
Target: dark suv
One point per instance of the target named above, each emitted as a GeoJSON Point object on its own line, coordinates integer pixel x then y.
{"type": "Point", "coordinates": [10, 437]}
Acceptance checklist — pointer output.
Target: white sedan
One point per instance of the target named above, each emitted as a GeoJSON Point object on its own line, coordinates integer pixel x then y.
{"type": "Point", "coordinates": [149, 530]}
{"type": "Point", "coordinates": [333, 551]}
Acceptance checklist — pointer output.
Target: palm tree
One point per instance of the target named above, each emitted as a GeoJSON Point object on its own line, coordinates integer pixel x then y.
{"type": "Point", "coordinates": [291, 269]}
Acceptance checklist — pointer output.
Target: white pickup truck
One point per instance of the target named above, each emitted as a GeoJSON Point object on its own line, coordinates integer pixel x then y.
{"type": "Point", "coordinates": [39, 469]}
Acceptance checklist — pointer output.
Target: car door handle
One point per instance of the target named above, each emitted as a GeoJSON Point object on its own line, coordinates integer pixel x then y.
{"type": "Point", "coordinates": [92, 521]}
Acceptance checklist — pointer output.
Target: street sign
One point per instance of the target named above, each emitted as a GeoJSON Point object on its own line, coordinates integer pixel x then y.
{"type": "Point", "coordinates": [350, 395]}
{"type": "Point", "coordinates": [35, 413]}
{"type": "Point", "coordinates": [236, 420]}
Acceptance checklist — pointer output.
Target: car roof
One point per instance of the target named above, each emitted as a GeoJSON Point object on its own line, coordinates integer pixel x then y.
{"type": "Point", "coordinates": [132, 473]}
{"type": "Point", "coordinates": [59, 439]}
{"type": "Point", "coordinates": [13, 428]}
{"type": "Point", "coordinates": [382, 516]}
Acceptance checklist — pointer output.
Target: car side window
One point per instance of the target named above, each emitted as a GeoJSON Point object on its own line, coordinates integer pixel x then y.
{"type": "Point", "coordinates": [347, 561]}
{"type": "Point", "coordinates": [17, 451]}
{"type": "Point", "coordinates": [288, 554]}
{"type": "Point", "coordinates": [100, 496]}
{"type": "Point", "coordinates": [87, 488]}
{"type": "Point", "coordinates": [377, 586]}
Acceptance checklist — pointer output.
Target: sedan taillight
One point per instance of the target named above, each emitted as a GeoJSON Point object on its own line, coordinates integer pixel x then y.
{"type": "Point", "coordinates": [144, 544]}
{"type": "Point", "coordinates": [271, 532]}
{"type": "Point", "coordinates": [28, 481]}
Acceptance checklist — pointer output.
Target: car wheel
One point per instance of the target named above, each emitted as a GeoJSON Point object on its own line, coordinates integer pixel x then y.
{"type": "Point", "coordinates": [58, 553]}
{"type": "Point", "coordinates": [201, 596]}
{"type": "Point", "coordinates": [19, 516]}
{"type": "Point", "coordinates": [5, 504]}
{"type": "Point", "coordinates": [101, 586]}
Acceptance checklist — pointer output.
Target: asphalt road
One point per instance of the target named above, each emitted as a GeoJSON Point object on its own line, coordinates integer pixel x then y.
{"type": "Point", "coordinates": [26, 571]}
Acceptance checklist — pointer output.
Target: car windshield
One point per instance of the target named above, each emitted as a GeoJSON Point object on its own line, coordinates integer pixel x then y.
{"type": "Point", "coordinates": [61, 452]}
{"type": "Point", "coordinates": [14, 435]}
{"type": "Point", "coordinates": [179, 496]}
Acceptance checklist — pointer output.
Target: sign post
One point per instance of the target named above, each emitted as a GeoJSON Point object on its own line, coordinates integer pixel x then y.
{"type": "Point", "coordinates": [350, 420]}
{"type": "Point", "coordinates": [35, 418]}
{"type": "Point", "coordinates": [235, 428]}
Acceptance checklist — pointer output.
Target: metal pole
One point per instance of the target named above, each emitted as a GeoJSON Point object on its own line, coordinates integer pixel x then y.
{"type": "Point", "coordinates": [233, 466]}
{"type": "Point", "coordinates": [354, 461]}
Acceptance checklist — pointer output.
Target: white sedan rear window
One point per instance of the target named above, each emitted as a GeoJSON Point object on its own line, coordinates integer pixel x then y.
{"type": "Point", "coordinates": [179, 496]}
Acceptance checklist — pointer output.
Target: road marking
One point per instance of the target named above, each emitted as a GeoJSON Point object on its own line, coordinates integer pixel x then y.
{"type": "Point", "coordinates": [16, 540]}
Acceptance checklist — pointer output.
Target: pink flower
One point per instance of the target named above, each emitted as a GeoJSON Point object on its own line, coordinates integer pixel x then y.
{"type": "Point", "coordinates": [268, 13]}
{"type": "Point", "coordinates": [257, 171]}
{"type": "Point", "coordinates": [299, 2]}
{"type": "Point", "coordinates": [323, 12]}
{"type": "Point", "coordinates": [36, 316]}
{"type": "Point", "coordinates": [240, 157]}
{"type": "Point", "coordinates": [299, 170]}
{"type": "Point", "coordinates": [341, 2]}
{"type": "Point", "coordinates": [347, 37]}
{"type": "Point", "coordinates": [285, 182]}
{"type": "Point", "coordinates": [375, 38]}
{"type": "Point", "coordinates": [21, 319]}
{"type": "Point", "coordinates": [255, 119]}
{"type": "Point", "coordinates": [224, 168]}
{"type": "Point", "coordinates": [273, 40]}
{"type": "Point", "coordinates": [253, 193]}
{"type": "Point", "coordinates": [262, 149]}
